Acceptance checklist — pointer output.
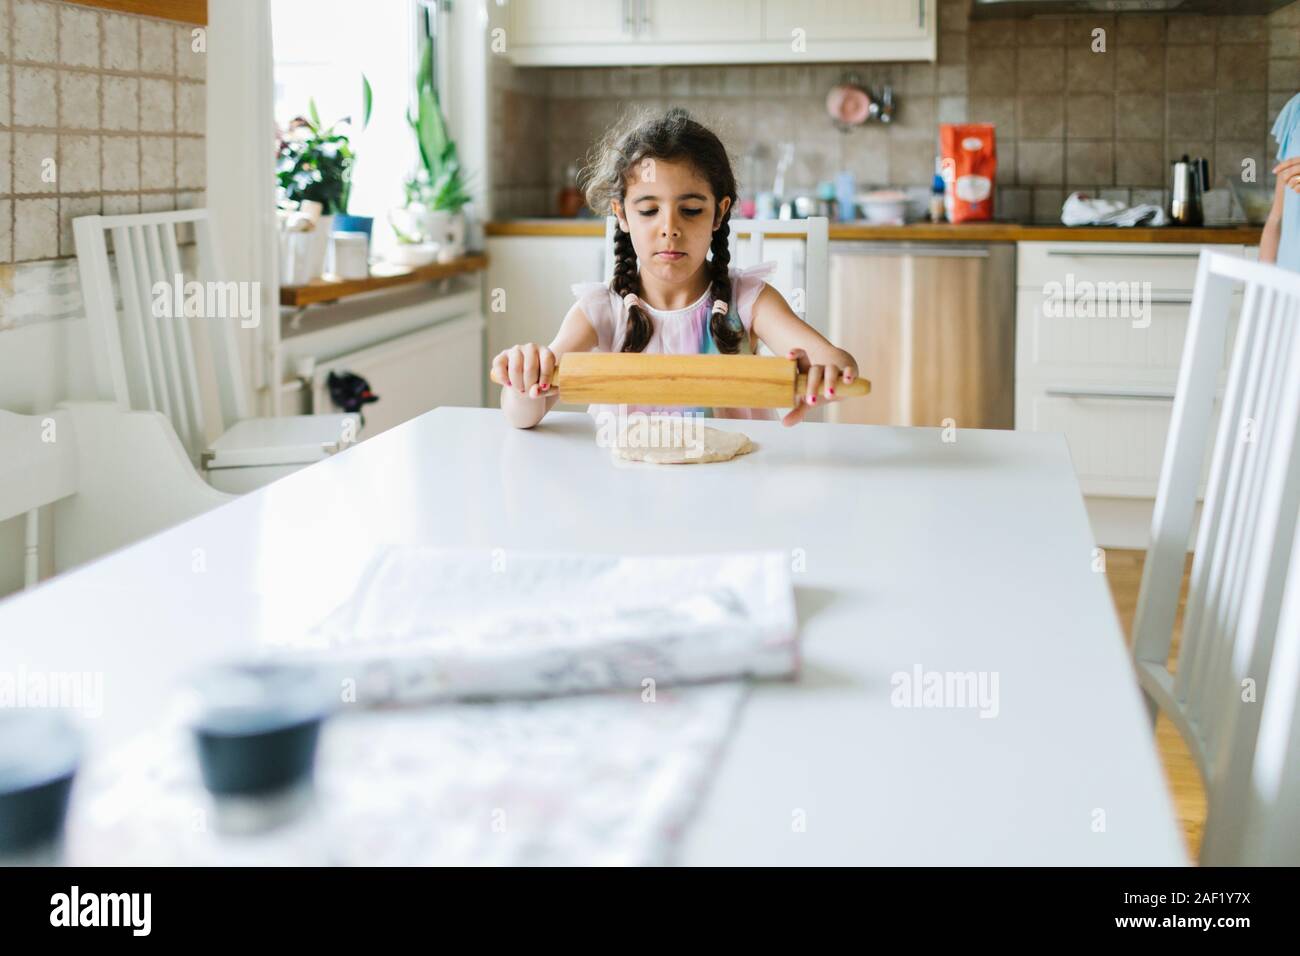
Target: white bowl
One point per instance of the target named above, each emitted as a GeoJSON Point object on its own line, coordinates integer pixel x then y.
{"type": "Point", "coordinates": [413, 254]}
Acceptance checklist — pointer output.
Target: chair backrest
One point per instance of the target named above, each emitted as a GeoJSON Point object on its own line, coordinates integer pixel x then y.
{"type": "Point", "coordinates": [111, 475]}
{"type": "Point", "coordinates": [1244, 541]}
{"type": "Point", "coordinates": [38, 466]}
{"type": "Point", "coordinates": [816, 233]}
{"type": "Point", "coordinates": [143, 360]}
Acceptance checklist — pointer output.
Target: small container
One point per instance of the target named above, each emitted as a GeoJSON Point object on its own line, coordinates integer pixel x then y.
{"type": "Point", "coordinates": [39, 753]}
{"type": "Point", "coordinates": [256, 727]}
{"type": "Point", "coordinates": [937, 190]}
{"type": "Point", "coordinates": [350, 255]}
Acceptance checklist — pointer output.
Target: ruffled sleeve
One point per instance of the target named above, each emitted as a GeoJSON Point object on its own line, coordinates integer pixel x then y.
{"type": "Point", "coordinates": [596, 301]}
{"type": "Point", "coordinates": [746, 284]}
{"type": "Point", "coordinates": [1284, 130]}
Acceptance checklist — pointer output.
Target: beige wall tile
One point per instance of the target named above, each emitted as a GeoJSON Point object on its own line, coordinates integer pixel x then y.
{"type": "Point", "coordinates": [5, 118]}
{"type": "Point", "coordinates": [1139, 164]}
{"type": "Point", "coordinates": [953, 109]}
{"type": "Point", "coordinates": [1240, 115]}
{"type": "Point", "coordinates": [6, 230]}
{"type": "Point", "coordinates": [1089, 72]}
{"type": "Point", "coordinates": [1188, 68]}
{"type": "Point", "coordinates": [70, 208]}
{"type": "Point", "coordinates": [1242, 66]}
{"type": "Point", "coordinates": [121, 204]}
{"type": "Point", "coordinates": [993, 71]}
{"type": "Point", "coordinates": [36, 229]}
{"type": "Point", "coordinates": [1185, 28]}
{"type": "Point", "coordinates": [1040, 69]}
{"type": "Point", "coordinates": [1190, 115]}
{"type": "Point", "coordinates": [190, 163]}
{"type": "Point", "coordinates": [1139, 116]}
{"type": "Point", "coordinates": [953, 15]}
{"type": "Point", "coordinates": [35, 157]}
{"type": "Point", "coordinates": [121, 103]}
{"type": "Point", "coordinates": [191, 107]}
{"type": "Point", "coordinates": [1040, 162]}
{"type": "Point", "coordinates": [1090, 162]}
{"type": "Point", "coordinates": [6, 165]}
{"type": "Point", "coordinates": [121, 157]}
{"type": "Point", "coordinates": [34, 99]}
{"type": "Point", "coordinates": [157, 105]}
{"type": "Point", "coordinates": [78, 100]}
{"type": "Point", "coordinates": [1047, 204]}
{"type": "Point", "coordinates": [157, 202]}
{"type": "Point", "coordinates": [78, 36]}
{"type": "Point", "coordinates": [1284, 42]}
{"type": "Point", "coordinates": [1038, 32]}
{"type": "Point", "coordinates": [1140, 68]}
{"type": "Point", "coordinates": [1243, 29]}
{"type": "Point", "coordinates": [35, 31]}
{"type": "Point", "coordinates": [121, 44]}
{"type": "Point", "coordinates": [157, 47]}
{"type": "Point", "coordinates": [1229, 155]}
{"type": "Point", "coordinates": [1040, 117]}
{"type": "Point", "coordinates": [157, 162]}
{"type": "Point", "coordinates": [79, 164]}
{"type": "Point", "coordinates": [1284, 75]}
{"type": "Point", "coordinates": [4, 34]}
{"type": "Point", "coordinates": [190, 63]}
{"type": "Point", "coordinates": [1137, 28]}
{"type": "Point", "coordinates": [998, 110]}
{"type": "Point", "coordinates": [991, 33]}
{"type": "Point", "coordinates": [1090, 116]}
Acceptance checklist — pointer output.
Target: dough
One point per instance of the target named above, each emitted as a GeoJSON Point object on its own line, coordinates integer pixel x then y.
{"type": "Point", "coordinates": [669, 440]}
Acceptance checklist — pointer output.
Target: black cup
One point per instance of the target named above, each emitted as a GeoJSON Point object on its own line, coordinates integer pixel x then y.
{"type": "Point", "coordinates": [39, 752]}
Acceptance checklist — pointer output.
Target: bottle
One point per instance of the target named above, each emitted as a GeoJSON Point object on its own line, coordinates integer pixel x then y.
{"type": "Point", "coordinates": [570, 201]}
{"type": "Point", "coordinates": [937, 193]}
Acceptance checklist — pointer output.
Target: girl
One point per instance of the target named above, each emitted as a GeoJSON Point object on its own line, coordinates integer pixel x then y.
{"type": "Point", "coordinates": [669, 183]}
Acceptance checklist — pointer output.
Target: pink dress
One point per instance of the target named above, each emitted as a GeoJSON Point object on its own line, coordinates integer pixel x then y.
{"type": "Point", "coordinates": [676, 332]}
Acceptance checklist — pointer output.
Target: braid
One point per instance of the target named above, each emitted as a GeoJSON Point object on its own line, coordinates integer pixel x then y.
{"type": "Point", "coordinates": [725, 329]}
{"type": "Point", "coordinates": [628, 279]}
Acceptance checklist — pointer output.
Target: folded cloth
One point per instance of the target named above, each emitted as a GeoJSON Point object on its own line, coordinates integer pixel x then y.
{"type": "Point", "coordinates": [427, 624]}
{"type": "Point", "coordinates": [1082, 210]}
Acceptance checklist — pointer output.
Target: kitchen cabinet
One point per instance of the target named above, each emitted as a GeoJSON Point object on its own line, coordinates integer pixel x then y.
{"type": "Point", "coordinates": [1100, 330]}
{"type": "Point", "coordinates": [932, 327]}
{"type": "Point", "coordinates": [669, 32]}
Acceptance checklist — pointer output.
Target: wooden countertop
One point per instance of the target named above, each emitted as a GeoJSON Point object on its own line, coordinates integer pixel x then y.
{"type": "Point", "coordinates": [931, 232]}
{"type": "Point", "coordinates": [331, 289]}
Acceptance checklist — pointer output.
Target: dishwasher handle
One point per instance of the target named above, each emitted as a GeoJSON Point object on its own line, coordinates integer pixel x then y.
{"type": "Point", "coordinates": [931, 251]}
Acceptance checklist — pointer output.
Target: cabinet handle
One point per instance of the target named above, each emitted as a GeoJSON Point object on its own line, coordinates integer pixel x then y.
{"type": "Point", "coordinates": [628, 22]}
{"type": "Point", "coordinates": [866, 249]}
{"type": "Point", "coordinates": [645, 16]}
{"type": "Point", "coordinates": [1087, 254]}
{"type": "Point", "coordinates": [1149, 395]}
{"type": "Point", "coordinates": [920, 14]}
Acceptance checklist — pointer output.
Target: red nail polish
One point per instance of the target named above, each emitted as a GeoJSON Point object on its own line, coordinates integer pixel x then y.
{"type": "Point", "coordinates": [813, 400]}
{"type": "Point", "coordinates": [832, 391]}
{"type": "Point", "coordinates": [546, 386]}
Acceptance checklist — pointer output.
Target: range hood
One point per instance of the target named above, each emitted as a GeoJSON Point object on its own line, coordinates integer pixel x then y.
{"type": "Point", "coordinates": [987, 9]}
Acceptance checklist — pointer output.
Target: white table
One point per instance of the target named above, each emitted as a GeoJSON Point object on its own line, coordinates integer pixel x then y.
{"type": "Point", "coordinates": [964, 556]}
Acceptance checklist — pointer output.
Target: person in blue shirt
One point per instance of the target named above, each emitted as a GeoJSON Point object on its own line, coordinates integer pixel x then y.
{"type": "Point", "coordinates": [1280, 242]}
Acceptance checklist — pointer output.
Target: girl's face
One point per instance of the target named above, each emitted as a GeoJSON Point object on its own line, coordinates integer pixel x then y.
{"type": "Point", "coordinates": [670, 210]}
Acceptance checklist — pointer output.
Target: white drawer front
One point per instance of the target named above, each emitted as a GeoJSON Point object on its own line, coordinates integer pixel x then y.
{"type": "Point", "coordinates": [1116, 436]}
{"type": "Point", "coordinates": [1144, 346]}
{"type": "Point", "coordinates": [1166, 266]}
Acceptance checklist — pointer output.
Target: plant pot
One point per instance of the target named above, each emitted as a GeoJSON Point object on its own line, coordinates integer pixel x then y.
{"type": "Point", "coordinates": [453, 241]}
{"type": "Point", "coordinates": [345, 223]}
{"type": "Point", "coordinates": [302, 254]}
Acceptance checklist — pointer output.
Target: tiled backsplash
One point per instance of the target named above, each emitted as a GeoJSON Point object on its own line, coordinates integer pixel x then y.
{"type": "Point", "coordinates": [1067, 118]}
{"type": "Point", "coordinates": [99, 112]}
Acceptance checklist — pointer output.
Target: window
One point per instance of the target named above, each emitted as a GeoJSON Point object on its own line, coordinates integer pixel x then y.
{"type": "Point", "coordinates": [322, 47]}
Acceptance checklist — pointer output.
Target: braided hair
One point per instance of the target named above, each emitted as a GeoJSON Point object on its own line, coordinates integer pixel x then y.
{"type": "Point", "coordinates": [672, 136]}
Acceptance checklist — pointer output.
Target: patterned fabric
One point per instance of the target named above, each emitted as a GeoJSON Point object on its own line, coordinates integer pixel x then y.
{"type": "Point", "coordinates": [677, 332]}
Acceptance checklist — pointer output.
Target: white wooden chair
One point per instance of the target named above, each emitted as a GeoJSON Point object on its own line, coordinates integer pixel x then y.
{"type": "Point", "coordinates": [746, 244]}
{"type": "Point", "coordinates": [149, 362]}
{"type": "Point", "coordinates": [112, 477]}
{"type": "Point", "coordinates": [1243, 548]}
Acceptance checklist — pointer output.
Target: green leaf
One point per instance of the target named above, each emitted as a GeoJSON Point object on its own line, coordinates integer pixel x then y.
{"type": "Point", "coordinates": [366, 100]}
{"type": "Point", "coordinates": [315, 117]}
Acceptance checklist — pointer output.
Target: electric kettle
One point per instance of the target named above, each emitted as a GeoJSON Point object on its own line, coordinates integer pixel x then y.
{"type": "Point", "coordinates": [1191, 177]}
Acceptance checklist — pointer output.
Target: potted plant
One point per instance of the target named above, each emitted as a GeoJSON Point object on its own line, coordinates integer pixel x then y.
{"type": "Point", "coordinates": [314, 166]}
{"type": "Point", "coordinates": [437, 192]}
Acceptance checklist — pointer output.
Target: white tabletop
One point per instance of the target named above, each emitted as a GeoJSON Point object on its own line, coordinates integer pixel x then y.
{"type": "Point", "coordinates": [965, 556]}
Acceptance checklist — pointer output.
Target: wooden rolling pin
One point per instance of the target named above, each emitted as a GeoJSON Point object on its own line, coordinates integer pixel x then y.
{"type": "Point", "coordinates": [724, 381]}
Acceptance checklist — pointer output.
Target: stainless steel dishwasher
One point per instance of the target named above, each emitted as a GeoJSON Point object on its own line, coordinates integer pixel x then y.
{"type": "Point", "coordinates": [932, 325]}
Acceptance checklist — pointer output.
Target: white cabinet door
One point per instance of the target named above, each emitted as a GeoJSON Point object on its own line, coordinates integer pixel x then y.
{"type": "Point", "coordinates": [689, 21]}
{"type": "Point", "coordinates": [845, 19]}
{"type": "Point", "coordinates": [548, 22]}
{"type": "Point", "coordinates": [528, 291]}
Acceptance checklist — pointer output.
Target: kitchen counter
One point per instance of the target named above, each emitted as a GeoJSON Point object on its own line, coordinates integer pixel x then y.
{"type": "Point", "coordinates": [931, 232]}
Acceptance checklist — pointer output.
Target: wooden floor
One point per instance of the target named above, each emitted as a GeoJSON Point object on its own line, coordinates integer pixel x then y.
{"type": "Point", "coordinates": [1124, 574]}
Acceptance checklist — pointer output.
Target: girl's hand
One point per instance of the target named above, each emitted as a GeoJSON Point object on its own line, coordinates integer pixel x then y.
{"type": "Point", "coordinates": [822, 380]}
{"type": "Point", "coordinates": [1288, 171]}
{"type": "Point", "coordinates": [526, 369]}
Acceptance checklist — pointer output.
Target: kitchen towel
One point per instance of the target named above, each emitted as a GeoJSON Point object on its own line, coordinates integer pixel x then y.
{"type": "Point", "coordinates": [1082, 210]}
{"type": "Point", "coordinates": [430, 624]}
{"type": "Point", "coordinates": [608, 778]}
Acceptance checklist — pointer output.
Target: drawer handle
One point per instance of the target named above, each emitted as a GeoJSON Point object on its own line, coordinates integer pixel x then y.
{"type": "Point", "coordinates": [1085, 253]}
{"type": "Point", "coordinates": [1150, 395]}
